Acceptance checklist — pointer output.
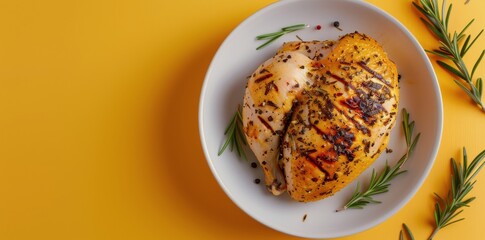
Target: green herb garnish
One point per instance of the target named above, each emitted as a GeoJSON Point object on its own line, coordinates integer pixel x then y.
{"type": "Point", "coordinates": [449, 207]}
{"type": "Point", "coordinates": [271, 37]}
{"type": "Point", "coordinates": [234, 135]}
{"type": "Point", "coordinates": [452, 48]}
{"type": "Point", "coordinates": [462, 182]}
{"type": "Point", "coordinates": [380, 183]}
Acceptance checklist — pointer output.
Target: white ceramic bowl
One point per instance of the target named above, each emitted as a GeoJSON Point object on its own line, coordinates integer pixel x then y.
{"type": "Point", "coordinates": [223, 90]}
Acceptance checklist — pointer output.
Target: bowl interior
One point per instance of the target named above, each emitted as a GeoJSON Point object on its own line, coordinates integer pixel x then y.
{"type": "Point", "coordinates": [223, 90]}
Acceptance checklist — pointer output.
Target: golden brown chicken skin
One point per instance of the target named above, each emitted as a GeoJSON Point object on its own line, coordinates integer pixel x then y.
{"type": "Point", "coordinates": [341, 123]}
{"type": "Point", "coordinates": [336, 124]}
{"type": "Point", "coordinates": [268, 102]}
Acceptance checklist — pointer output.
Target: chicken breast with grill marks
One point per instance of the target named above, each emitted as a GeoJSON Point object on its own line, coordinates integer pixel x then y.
{"type": "Point", "coordinates": [269, 98]}
{"type": "Point", "coordinates": [331, 121]}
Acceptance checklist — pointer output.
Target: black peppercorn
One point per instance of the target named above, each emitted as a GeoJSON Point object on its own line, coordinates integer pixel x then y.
{"type": "Point", "coordinates": [254, 165]}
{"type": "Point", "coordinates": [257, 180]}
{"type": "Point", "coordinates": [336, 24]}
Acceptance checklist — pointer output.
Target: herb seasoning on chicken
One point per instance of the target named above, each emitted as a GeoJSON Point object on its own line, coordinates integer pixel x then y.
{"type": "Point", "coordinates": [319, 113]}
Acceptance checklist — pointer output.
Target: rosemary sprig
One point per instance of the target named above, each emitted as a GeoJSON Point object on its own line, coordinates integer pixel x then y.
{"type": "Point", "coordinates": [234, 135]}
{"type": "Point", "coordinates": [380, 183]}
{"type": "Point", "coordinates": [462, 182]}
{"type": "Point", "coordinates": [448, 208]}
{"type": "Point", "coordinates": [452, 47]}
{"type": "Point", "coordinates": [271, 37]}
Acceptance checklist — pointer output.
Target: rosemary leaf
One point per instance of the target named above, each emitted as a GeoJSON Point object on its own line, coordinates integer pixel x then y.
{"type": "Point", "coordinates": [466, 90]}
{"type": "Point", "coordinates": [462, 33]}
{"type": "Point", "coordinates": [474, 40]}
{"type": "Point", "coordinates": [477, 63]}
{"type": "Point", "coordinates": [234, 135]}
{"type": "Point", "coordinates": [451, 69]}
{"type": "Point", "coordinates": [479, 86]}
{"type": "Point", "coordinates": [268, 42]}
{"type": "Point", "coordinates": [465, 46]}
{"type": "Point", "coordinates": [270, 35]}
{"type": "Point", "coordinates": [294, 27]}
{"type": "Point", "coordinates": [441, 54]}
{"type": "Point", "coordinates": [275, 35]}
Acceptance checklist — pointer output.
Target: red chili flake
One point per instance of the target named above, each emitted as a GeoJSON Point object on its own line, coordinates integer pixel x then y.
{"type": "Point", "coordinates": [318, 27]}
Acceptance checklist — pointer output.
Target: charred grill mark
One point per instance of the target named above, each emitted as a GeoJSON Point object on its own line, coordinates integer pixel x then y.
{"type": "Point", "coordinates": [374, 73]}
{"type": "Point", "coordinates": [341, 140]}
{"type": "Point", "coordinates": [372, 85]}
{"type": "Point", "coordinates": [357, 124]}
{"type": "Point", "coordinates": [314, 163]}
{"type": "Point", "coordinates": [365, 107]}
{"type": "Point", "coordinates": [266, 124]}
{"type": "Point", "coordinates": [310, 151]}
{"type": "Point", "coordinates": [318, 163]}
{"type": "Point", "coordinates": [329, 157]}
{"type": "Point", "coordinates": [352, 102]}
{"type": "Point", "coordinates": [271, 85]}
{"type": "Point", "coordinates": [343, 81]}
{"type": "Point", "coordinates": [262, 78]}
{"type": "Point", "coordinates": [326, 107]}
{"type": "Point", "coordinates": [271, 103]}
{"type": "Point", "coordinates": [300, 139]}
{"type": "Point", "coordinates": [319, 131]}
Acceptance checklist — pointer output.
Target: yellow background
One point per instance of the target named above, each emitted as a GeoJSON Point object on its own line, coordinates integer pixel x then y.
{"type": "Point", "coordinates": [98, 122]}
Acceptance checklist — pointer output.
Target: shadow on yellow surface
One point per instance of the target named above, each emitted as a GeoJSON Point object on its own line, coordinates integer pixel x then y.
{"type": "Point", "coordinates": [180, 160]}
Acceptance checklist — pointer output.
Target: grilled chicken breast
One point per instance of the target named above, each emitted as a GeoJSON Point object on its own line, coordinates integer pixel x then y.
{"type": "Point", "coordinates": [329, 117]}
{"type": "Point", "coordinates": [268, 101]}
